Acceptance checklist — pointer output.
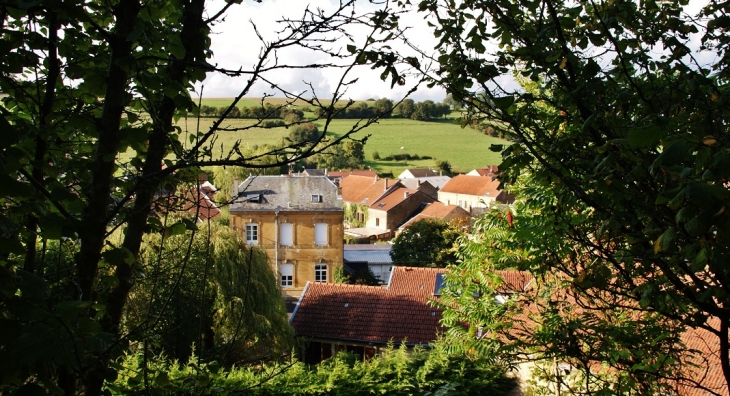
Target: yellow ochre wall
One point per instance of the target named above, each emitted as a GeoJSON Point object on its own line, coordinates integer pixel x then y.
{"type": "Point", "coordinates": [304, 254]}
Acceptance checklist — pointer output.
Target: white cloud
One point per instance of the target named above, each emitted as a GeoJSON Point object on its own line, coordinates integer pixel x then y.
{"type": "Point", "coordinates": [235, 45]}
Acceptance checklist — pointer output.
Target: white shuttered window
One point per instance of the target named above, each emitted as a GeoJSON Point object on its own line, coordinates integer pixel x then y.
{"type": "Point", "coordinates": [286, 234]}
{"type": "Point", "coordinates": [320, 234]}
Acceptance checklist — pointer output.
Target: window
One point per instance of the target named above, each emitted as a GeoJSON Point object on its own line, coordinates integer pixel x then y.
{"type": "Point", "coordinates": [316, 198]}
{"type": "Point", "coordinates": [320, 233]}
{"type": "Point", "coordinates": [320, 273]}
{"type": "Point", "coordinates": [377, 222]}
{"type": "Point", "coordinates": [287, 275]}
{"type": "Point", "coordinates": [286, 234]}
{"type": "Point", "coordinates": [253, 197]}
{"type": "Point", "coordinates": [252, 233]}
{"type": "Point", "coordinates": [360, 216]}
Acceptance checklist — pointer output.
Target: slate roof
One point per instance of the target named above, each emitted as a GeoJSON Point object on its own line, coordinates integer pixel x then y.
{"type": "Point", "coordinates": [285, 193]}
{"type": "Point", "coordinates": [436, 181]}
{"type": "Point", "coordinates": [314, 172]}
{"type": "Point", "coordinates": [418, 172]}
{"type": "Point", "coordinates": [373, 254]}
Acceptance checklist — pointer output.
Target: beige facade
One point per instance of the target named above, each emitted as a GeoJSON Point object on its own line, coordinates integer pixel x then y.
{"type": "Point", "coordinates": [304, 254]}
{"type": "Point", "coordinates": [466, 201]}
{"type": "Point", "coordinates": [298, 221]}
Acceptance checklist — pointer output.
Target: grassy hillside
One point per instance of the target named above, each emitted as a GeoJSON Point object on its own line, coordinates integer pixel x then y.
{"type": "Point", "coordinates": [465, 149]}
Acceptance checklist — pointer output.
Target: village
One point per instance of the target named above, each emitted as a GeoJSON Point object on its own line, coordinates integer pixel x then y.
{"type": "Point", "coordinates": [314, 223]}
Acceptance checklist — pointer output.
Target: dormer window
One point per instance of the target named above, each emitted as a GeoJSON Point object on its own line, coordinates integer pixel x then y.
{"type": "Point", "coordinates": [253, 197]}
{"type": "Point", "coordinates": [381, 205]}
{"type": "Point", "coordinates": [316, 198]}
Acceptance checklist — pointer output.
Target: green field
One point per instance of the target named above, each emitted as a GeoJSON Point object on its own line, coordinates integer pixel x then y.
{"type": "Point", "coordinates": [465, 149]}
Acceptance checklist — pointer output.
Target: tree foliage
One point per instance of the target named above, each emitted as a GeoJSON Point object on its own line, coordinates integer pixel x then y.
{"type": "Point", "coordinates": [229, 308]}
{"type": "Point", "coordinates": [621, 148]}
{"type": "Point", "coordinates": [396, 371]}
{"type": "Point", "coordinates": [426, 243]}
{"type": "Point", "coordinates": [92, 94]}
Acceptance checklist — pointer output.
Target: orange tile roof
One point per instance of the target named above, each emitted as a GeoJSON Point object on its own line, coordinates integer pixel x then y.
{"type": "Point", "coordinates": [394, 197]}
{"type": "Point", "coordinates": [379, 314]}
{"type": "Point", "coordinates": [364, 189]}
{"type": "Point", "coordinates": [704, 366]}
{"type": "Point", "coordinates": [437, 210]}
{"type": "Point", "coordinates": [415, 281]}
{"type": "Point", "coordinates": [344, 174]}
{"type": "Point", "coordinates": [472, 185]}
{"type": "Point", "coordinates": [365, 314]}
{"type": "Point", "coordinates": [489, 170]}
{"type": "Point", "coordinates": [700, 371]}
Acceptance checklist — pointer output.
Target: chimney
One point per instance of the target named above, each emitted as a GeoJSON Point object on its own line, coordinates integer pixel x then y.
{"type": "Point", "coordinates": [386, 183]}
{"type": "Point", "coordinates": [235, 188]}
{"type": "Point", "coordinates": [374, 180]}
{"type": "Point", "coordinates": [406, 194]}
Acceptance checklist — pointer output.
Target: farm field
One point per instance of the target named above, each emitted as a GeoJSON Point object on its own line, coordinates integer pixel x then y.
{"type": "Point", "coordinates": [465, 149]}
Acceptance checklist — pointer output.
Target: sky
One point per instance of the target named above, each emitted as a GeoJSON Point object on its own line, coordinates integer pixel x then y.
{"type": "Point", "coordinates": [234, 45]}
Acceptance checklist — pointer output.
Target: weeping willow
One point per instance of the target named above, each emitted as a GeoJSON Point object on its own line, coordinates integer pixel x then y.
{"type": "Point", "coordinates": [206, 293]}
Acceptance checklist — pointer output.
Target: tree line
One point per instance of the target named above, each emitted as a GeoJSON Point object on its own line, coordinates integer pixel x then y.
{"type": "Point", "coordinates": [381, 108]}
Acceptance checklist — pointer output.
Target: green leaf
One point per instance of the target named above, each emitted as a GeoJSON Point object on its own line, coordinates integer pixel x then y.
{"type": "Point", "coordinates": [51, 227]}
{"type": "Point", "coordinates": [175, 229]}
{"type": "Point", "coordinates": [646, 136]}
{"type": "Point", "coordinates": [504, 102]}
{"type": "Point", "coordinates": [665, 240]}
{"type": "Point", "coordinates": [8, 245]}
{"type": "Point", "coordinates": [162, 379]}
{"type": "Point", "coordinates": [117, 256]}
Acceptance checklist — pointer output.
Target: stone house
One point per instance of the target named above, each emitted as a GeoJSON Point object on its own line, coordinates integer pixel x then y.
{"type": "Point", "coordinates": [297, 221]}
{"type": "Point", "coordinates": [375, 208]}
{"type": "Point", "coordinates": [473, 193]}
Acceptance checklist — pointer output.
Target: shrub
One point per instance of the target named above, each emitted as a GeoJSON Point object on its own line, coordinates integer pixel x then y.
{"type": "Point", "coordinates": [376, 155]}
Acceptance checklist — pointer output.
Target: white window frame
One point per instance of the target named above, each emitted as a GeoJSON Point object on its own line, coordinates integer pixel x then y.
{"type": "Point", "coordinates": [251, 231]}
{"type": "Point", "coordinates": [320, 272]}
{"type": "Point", "coordinates": [321, 234]}
{"type": "Point", "coordinates": [286, 279]}
{"type": "Point", "coordinates": [284, 238]}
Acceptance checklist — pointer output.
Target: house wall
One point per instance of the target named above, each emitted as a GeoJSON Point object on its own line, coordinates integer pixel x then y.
{"type": "Point", "coordinates": [303, 254]}
{"type": "Point", "coordinates": [394, 217]}
{"type": "Point", "coordinates": [468, 202]}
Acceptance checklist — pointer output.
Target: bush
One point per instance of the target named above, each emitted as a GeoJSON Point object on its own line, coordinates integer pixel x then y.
{"type": "Point", "coordinates": [443, 166]}
{"type": "Point", "coordinates": [273, 123]}
{"type": "Point", "coordinates": [397, 371]}
{"type": "Point", "coordinates": [376, 155]}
